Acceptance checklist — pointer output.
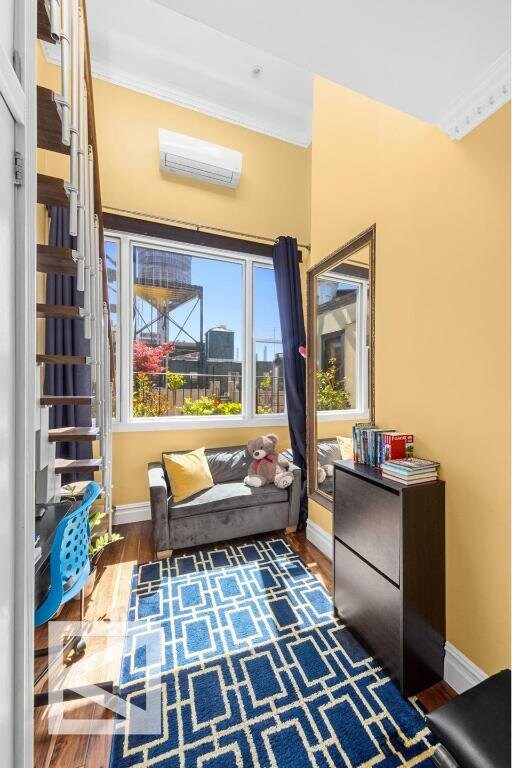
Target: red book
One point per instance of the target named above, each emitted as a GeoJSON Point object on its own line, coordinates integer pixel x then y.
{"type": "Point", "coordinates": [398, 445]}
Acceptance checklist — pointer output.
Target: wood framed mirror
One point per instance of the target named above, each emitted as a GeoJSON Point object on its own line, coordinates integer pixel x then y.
{"type": "Point", "coordinates": [341, 356]}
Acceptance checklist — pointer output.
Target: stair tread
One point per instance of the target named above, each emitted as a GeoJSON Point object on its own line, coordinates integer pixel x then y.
{"type": "Point", "coordinates": [66, 400]}
{"type": "Point", "coordinates": [62, 466]}
{"type": "Point", "coordinates": [57, 310]}
{"type": "Point", "coordinates": [50, 191]}
{"type": "Point", "coordinates": [62, 359]}
{"type": "Point", "coordinates": [51, 258]}
{"type": "Point", "coordinates": [49, 125]}
{"type": "Point", "coordinates": [73, 433]}
{"type": "Point", "coordinates": [76, 489]}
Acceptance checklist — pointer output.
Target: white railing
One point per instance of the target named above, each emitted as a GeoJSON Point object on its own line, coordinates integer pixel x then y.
{"type": "Point", "coordinates": [59, 13]}
{"type": "Point", "coordinates": [72, 187]}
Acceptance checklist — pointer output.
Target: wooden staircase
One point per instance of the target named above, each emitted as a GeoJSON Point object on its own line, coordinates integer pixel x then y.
{"type": "Point", "coordinates": [58, 310]}
{"type": "Point", "coordinates": [64, 466]}
{"type": "Point", "coordinates": [48, 400]}
{"type": "Point", "coordinates": [62, 360]}
{"type": "Point", "coordinates": [51, 191]}
{"type": "Point", "coordinates": [52, 260]}
{"type": "Point", "coordinates": [49, 125]}
{"type": "Point", "coordinates": [68, 434]}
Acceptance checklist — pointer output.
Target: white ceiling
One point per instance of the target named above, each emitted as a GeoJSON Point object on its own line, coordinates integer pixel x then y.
{"type": "Point", "coordinates": [419, 56]}
{"type": "Point", "coordinates": [141, 44]}
{"type": "Point", "coordinates": [444, 61]}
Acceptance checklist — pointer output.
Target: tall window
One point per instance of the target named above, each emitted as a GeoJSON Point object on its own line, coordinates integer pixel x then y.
{"type": "Point", "coordinates": [268, 348]}
{"type": "Point", "coordinates": [200, 335]}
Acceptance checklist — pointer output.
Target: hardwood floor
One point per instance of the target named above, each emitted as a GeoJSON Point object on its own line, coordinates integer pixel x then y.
{"type": "Point", "coordinates": [108, 603]}
{"type": "Point", "coordinates": [435, 696]}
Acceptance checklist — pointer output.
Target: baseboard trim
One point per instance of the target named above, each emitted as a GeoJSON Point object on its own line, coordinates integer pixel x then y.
{"type": "Point", "coordinates": [320, 538]}
{"type": "Point", "coordinates": [132, 513]}
{"type": "Point", "coordinates": [459, 671]}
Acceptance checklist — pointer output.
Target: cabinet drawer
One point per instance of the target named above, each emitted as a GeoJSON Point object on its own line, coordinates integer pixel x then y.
{"type": "Point", "coordinates": [367, 518]}
{"type": "Point", "coordinates": [369, 605]}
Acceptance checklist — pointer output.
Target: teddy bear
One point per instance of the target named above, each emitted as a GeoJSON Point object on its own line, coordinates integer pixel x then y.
{"type": "Point", "coordinates": [267, 466]}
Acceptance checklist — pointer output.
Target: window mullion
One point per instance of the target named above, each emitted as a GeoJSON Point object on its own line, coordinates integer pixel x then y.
{"type": "Point", "coordinates": [125, 329]}
{"type": "Point", "coordinates": [248, 354]}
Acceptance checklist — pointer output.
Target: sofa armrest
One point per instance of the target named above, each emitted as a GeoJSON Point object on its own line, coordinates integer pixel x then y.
{"type": "Point", "coordinates": [295, 490]}
{"type": "Point", "coordinates": [159, 507]}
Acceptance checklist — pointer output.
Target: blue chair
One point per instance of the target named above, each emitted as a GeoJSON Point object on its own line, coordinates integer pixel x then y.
{"type": "Point", "coordinates": [69, 570]}
{"type": "Point", "coordinates": [69, 558]}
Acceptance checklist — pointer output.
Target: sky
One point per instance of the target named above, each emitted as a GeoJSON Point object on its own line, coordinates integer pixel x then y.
{"type": "Point", "coordinates": [223, 301]}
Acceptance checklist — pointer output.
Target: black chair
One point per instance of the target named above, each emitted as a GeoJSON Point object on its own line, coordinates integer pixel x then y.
{"type": "Point", "coordinates": [474, 729]}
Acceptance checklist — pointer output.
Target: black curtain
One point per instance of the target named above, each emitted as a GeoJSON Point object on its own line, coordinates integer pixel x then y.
{"type": "Point", "coordinates": [289, 297]}
{"type": "Point", "coordinates": [66, 337]}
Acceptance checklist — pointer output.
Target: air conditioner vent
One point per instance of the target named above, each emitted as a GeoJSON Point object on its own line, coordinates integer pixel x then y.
{"type": "Point", "coordinates": [197, 159]}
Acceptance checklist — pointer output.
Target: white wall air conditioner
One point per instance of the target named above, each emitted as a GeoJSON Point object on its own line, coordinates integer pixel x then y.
{"type": "Point", "coordinates": [198, 159]}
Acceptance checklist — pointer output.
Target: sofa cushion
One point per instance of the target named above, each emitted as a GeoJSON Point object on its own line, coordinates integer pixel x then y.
{"type": "Point", "coordinates": [226, 464]}
{"type": "Point", "coordinates": [225, 496]}
{"type": "Point", "coordinates": [328, 450]}
{"type": "Point", "coordinates": [188, 473]}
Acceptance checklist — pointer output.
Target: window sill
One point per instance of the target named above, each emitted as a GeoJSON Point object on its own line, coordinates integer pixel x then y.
{"type": "Point", "coordinates": [172, 424]}
{"type": "Point", "coordinates": [342, 415]}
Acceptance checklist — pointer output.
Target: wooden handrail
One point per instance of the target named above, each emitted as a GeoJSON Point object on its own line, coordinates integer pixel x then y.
{"type": "Point", "coordinates": [97, 189]}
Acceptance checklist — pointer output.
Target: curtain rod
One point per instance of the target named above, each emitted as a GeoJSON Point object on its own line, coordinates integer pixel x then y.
{"type": "Point", "coordinates": [198, 227]}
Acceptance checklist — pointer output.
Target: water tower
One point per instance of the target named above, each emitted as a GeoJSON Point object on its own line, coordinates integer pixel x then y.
{"type": "Point", "coordinates": [162, 281]}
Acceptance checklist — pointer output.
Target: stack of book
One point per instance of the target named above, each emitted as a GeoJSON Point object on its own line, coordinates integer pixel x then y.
{"type": "Point", "coordinates": [372, 445]}
{"type": "Point", "coordinates": [410, 471]}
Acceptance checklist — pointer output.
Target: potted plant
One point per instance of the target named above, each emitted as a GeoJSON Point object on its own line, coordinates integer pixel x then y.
{"type": "Point", "coordinates": [174, 381]}
{"type": "Point", "coordinates": [331, 393]}
{"type": "Point", "coordinates": [97, 543]}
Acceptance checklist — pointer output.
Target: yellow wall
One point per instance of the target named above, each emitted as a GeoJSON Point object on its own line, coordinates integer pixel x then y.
{"type": "Point", "coordinates": [442, 211]}
{"type": "Point", "coordinates": [272, 199]}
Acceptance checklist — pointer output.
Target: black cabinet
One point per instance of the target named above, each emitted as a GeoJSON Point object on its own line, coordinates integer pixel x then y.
{"type": "Point", "coordinates": [389, 571]}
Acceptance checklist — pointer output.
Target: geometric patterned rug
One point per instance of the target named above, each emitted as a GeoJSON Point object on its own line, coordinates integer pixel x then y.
{"type": "Point", "coordinates": [257, 672]}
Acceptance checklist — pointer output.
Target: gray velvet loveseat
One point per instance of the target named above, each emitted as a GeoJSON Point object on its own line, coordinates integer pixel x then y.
{"type": "Point", "coordinates": [228, 510]}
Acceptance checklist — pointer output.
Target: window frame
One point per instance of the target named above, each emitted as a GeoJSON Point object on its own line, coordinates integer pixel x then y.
{"type": "Point", "coordinates": [126, 422]}
{"type": "Point", "coordinates": [108, 238]}
{"type": "Point", "coordinates": [254, 340]}
{"type": "Point", "coordinates": [361, 411]}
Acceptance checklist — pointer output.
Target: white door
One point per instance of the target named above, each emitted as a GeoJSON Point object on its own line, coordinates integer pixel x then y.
{"type": "Point", "coordinates": [7, 408]}
{"type": "Point", "coordinates": [17, 380]}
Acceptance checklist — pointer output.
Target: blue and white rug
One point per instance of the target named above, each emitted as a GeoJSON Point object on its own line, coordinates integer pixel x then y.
{"type": "Point", "coordinates": [256, 672]}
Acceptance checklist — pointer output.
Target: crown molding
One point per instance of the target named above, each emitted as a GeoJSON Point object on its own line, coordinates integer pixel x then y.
{"type": "Point", "coordinates": [103, 71]}
{"type": "Point", "coordinates": [489, 92]}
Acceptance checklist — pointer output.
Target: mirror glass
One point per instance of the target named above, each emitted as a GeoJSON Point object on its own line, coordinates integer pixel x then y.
{"type": "Point", "coordinates": [340, 356]}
